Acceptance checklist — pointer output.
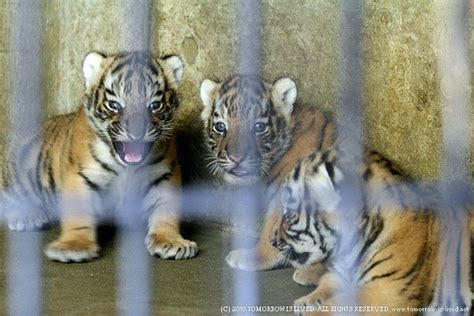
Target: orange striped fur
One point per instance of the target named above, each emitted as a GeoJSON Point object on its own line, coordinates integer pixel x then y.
{"type": "Point", "coordinates": [117, 151]}
{"type": "Point", "coordinates": [402, 256]}
{"type": "Point", "coordinates": [293, 131]}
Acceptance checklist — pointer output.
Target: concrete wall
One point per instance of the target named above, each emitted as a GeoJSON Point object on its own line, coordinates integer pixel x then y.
{"type": "Point", "coordinates": [301, 40]}
{"type": "Point", "coordinates": [4, 31]}
{"type": "Point", "coordinates": [403, 112]}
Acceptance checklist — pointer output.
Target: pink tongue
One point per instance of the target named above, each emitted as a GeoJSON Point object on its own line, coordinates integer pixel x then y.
{"type": "Point", "coordinates": [133, 152]}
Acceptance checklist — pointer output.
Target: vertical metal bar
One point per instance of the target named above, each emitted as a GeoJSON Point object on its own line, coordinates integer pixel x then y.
{"type": "Point", "coordinates": [24, 273]}
{"type": "Point", "coordinates": [136, 25]}
{"type": "Point", "coordinates": [246, 292]}
{"type": "Point", "coordinates": [248, 61]}
{"type": "Point", "coordinates": [350, 131]}
{"type": "Point", "coordinates": [455, 72]}
{"type": "Point", "coordinates": [134, 261]}
{"type": "Point", "coordinates": [249, 37]}
{"type": "Point", "coordinates": [24, 268]}
{"type": "Point", "coordinates": [350, 119]}
{"type": "Point", "coordinates": [134, 269]}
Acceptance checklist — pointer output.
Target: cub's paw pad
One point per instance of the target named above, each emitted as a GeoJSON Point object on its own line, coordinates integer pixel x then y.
{"type": "Point", "coordinates": [171, 247]}
{"type": "Point", "coordinates": [30, 221]}
{"type": "Point", "coordinates": [72, 250]}
{"type": "Point", "coordinates": [243, 259]}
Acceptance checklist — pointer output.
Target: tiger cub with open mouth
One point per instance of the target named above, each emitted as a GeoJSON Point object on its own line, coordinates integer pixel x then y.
{"type": "Point", "coordinates": [118, 145]}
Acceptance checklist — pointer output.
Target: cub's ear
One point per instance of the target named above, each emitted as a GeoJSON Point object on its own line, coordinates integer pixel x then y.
{"type": "Point", "coordinates": [92, 68]}
{"type": "Point", "coordinates": [207, 92]}
{"type": "Point", "coordinates": [284, 94]}
{"type": "Point", "coordinates": [175, 68]}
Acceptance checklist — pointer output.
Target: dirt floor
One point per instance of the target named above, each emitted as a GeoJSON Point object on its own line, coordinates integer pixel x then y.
{"type": "Point", "coordinates": [199, 286]}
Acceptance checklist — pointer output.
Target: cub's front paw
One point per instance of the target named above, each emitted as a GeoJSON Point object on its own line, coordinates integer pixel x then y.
{"type": "Point", "coordinates": [72, 250]}
{"type": "Point", "coordinates": [26, 220]}
{"type": "Point", "coordinates": [306, 305]}
{"type": "Point", "coordinates": [170, 247]}
{"type": "Point", "coordinates": [309, 276]}
{"type": "Point", "coordinates": [311, 302]}
{"type": "Point", "coordinates": [244, 259]}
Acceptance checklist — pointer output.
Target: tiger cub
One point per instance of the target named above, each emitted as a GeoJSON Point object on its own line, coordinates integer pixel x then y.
{"type": "Point", "coordinates": [399, 248]}
{"type": "Point", "coordinates": [256, 132]}
{"type": "Point", "coordinates": [121, 140]}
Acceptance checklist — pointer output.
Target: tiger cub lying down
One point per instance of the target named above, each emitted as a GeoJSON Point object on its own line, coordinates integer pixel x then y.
{"type": "Point", "coordinates": [256, 131]}
{"type": "Point", "coordinates": [120, 140]}
{"type": "Point", "coordinates": [400, 250]}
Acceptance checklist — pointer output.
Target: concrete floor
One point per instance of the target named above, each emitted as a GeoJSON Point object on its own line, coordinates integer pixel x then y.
{"type": "Point", "coordinates": [199, 286]}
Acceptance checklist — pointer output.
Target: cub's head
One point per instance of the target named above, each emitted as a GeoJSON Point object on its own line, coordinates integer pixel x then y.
{"type": "Point", "coordinates": [131, 100]}
{"type": "Point", "coordinates": [246, 123]}
{"type": "Point", "coordinates": [306, 234]}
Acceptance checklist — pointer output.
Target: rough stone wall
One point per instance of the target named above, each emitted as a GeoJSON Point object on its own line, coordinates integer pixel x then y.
{"type": "Point", "coordinates": [202, 32]}
{"type": "Point", "coordinates": [73, 28]}
{"type": "Point", "coordinates": [4, 31]}
{"type": "Point", "coordinates": [403, 113]}
{"type": "Point", "coordinates": [301, 40]}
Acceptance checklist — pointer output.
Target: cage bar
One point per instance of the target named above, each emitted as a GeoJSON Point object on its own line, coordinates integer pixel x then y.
{"type": "Point", "coordinates": [248, 61]}
{"type": "Point", "coordinates": [24, 248]}
{"type": "Point", "coordinates": [134, 262]}
{"type": "Point", "coordinates": [136, 24]}
{"type": "Point", "coordinates": [350, 131]}
{"type": "Point", "coordinates": [245, 284]}
{"type": "Point", "coordinates": [454, 69]}
{"type": "Point", "coordinates": [249, 37]}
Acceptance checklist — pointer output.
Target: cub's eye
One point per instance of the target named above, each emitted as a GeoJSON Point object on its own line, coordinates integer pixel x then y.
{"type": "Point", "coordinates": [260, 128]}
{"type": "Point", "coordinates": [155, 107]}
{"type": "Point", "coordinates": [219, 127]}
{"type": "Point", "coordinates": [114, 106]}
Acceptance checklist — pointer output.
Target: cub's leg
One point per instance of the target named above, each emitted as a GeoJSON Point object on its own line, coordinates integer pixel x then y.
{"type": "Point", "coordinates": [310, 275]}
{"type": "Point", "coordinates": [263, 256]}
{"type": "Point", "coordinates": [22, 208]}
{"type": "Point", "coordinates": [77, 241]}
{"type": "Point", "coordinates": [164, 238]}
{"type": "Point", "coordinates": [24, 215]}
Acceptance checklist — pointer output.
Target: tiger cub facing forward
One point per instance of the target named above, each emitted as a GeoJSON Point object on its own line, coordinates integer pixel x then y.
{"type": "Point", "coordinates": [120, 140]}
{"type": "Point", "coordinates": [403, 257]}
{"type": "Point", "coordinates": [256, 132]}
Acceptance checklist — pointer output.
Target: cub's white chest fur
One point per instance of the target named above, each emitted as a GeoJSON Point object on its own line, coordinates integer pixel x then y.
{"type": "Point", "coordinates": [119, 185]}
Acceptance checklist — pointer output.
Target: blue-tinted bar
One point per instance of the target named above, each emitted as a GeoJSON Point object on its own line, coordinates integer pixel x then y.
{"type": "Point", "coordinates": [24, 248]}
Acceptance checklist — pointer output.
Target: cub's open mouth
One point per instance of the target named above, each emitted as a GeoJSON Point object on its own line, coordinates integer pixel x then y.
{"type": "Point", "coordinates": [132, 153]}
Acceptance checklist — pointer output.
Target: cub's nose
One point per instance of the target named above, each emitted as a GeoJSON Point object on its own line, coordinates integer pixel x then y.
{"type": "Point", "coordinates": [237, 158]}
{"type": "Point", "coordinates": [136, 136]}
{"type": "Point", "coordinates": [136, 125]}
